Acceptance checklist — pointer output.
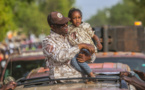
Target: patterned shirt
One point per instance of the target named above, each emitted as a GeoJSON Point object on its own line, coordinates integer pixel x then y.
{"type": "Point", "coordinates": [58, 51]}
{"type": "Point", "coordinates": [82, 34]}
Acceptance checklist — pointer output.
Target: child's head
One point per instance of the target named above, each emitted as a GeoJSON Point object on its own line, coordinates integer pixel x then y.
{"type": "Point", "coordinates": [76, 16]}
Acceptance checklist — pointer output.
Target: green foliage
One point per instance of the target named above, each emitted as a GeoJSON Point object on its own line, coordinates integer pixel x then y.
{"type": "Point", "coordinates": [63, 6]}
{"type": "Point", "coordinates": [6, 18]}
{"type": "Point", "coordinates": [124, 13]}
{"type": "Point", "coordinates": [29, 15]}
{"type": "Point", "coordinates": [139, 12]}
{"type": "Point", "coordinates": [98, 19]}
{"type": "Point", "coordinates": [31, 20]}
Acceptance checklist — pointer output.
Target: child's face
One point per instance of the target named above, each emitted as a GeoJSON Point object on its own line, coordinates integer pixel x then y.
{"type": "Point", "coordinates": [76, 18]}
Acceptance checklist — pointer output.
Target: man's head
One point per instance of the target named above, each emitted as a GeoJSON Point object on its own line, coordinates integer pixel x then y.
{"type": "Point", "coordinates": [58, 22]}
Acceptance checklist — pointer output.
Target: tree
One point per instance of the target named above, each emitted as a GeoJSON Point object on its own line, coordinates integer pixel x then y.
{"type": "Point", "coordinates": [30, 19]}
{"type": "Point", "coordinates": [6, 18]}
{"type": "Point", "coordinates": [63, 6]}
{"type": "Point", "coordinates": [99, 19]}
{"type": "Point", "coordinates": [120, 14]}
{"type": "Point", "coordinates": [29, 15]}
{"type": "Point", "coordinates": [139, 11]}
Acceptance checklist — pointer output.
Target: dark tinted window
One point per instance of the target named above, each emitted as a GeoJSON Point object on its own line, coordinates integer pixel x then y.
{"type": "Point", "coordinates": [21, 69]}
{"type": "Point", "coordinates": [134, 63]}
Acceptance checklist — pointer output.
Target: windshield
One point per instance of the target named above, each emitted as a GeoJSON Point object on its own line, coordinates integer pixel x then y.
{"type": "Point", "coordinates": [134, 63]}
{"type": "Point", "coordinates": [19, 69]}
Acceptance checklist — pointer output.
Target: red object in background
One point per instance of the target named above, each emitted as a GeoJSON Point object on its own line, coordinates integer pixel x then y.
{"type": "Point", "coordinates": [0, 58]}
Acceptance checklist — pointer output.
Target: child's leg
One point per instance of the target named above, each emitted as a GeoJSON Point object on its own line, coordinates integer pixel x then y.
{"type": "Point", "coordinates": [75, 64]}
{"type": "Point", "coordinates": [86, 68]}
{"type": "Point", "coordinates": [84, 65]}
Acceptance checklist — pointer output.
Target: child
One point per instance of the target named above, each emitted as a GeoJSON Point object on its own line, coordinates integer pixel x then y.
{"type": "Point", "coordinates": [80, 32]}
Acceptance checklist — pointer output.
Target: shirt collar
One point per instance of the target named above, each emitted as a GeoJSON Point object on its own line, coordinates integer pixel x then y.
{"type": "Point", "coordinates": [56, 34]}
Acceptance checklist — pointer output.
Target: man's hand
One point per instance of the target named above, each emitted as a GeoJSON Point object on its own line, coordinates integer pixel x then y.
{"type": "Point", "coordinates": [83, 58]}
{"type": "Point", "coordinates": [87, 46]}
{"type": "Point", "coordinates": [124, 73]}
{"type": "Point", "coordinates": [140, 74]}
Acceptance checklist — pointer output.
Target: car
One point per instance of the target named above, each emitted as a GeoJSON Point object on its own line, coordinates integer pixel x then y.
{"type": "Point", "coordinates": [28, 69]}
{"type": "Point", "coordinates": [107, 76]}
{"type": "Point", "coordinates": [19, 65]}
{"type": "Point", "coordinates": [134, 60]}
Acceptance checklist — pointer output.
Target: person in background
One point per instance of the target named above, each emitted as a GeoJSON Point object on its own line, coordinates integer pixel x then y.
{"type": "Point", "coordinates": [133, 80]}
{"type": "Point", "coordinates": [11, 46]}
{"type": "Point", "coordinates": [58, 51]}
{"type": "Point", "coordinates": [9, 84]}
{"type": "Point", "coordinates": [1, 55]}
{"type": "Point", "coordinates": [81, 32]}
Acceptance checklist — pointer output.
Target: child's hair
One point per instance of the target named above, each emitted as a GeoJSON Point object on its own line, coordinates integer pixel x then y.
{"type": "Point", "coordinates": [72, 10]}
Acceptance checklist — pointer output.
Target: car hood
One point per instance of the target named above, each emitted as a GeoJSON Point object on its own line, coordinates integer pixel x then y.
{"type": "Point", "coordinates": [103, 68]}
{"type": "Point", "coordinates": [74, 86]}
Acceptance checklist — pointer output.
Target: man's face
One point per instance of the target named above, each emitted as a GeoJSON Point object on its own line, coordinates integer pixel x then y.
{"type": "Point", "coordinates": [76, 18]}
{"type": "Point", "coordinates": [61, 29]}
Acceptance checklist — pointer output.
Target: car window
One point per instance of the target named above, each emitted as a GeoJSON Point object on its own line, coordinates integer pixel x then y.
{"type": "Point", "coordinates": [134, 63]}
{"type": "Point", "coordinates": [20, 69]}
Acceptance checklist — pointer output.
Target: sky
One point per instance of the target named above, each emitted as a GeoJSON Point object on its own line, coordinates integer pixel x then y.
{"type": "Point", "coordinates": [90, 7]}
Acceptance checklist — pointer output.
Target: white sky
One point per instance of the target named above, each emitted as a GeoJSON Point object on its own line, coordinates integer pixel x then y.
{"type": "Point", "coordinates": [90, 7]}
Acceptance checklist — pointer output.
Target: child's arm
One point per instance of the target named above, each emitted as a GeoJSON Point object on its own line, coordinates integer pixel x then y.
{"type": "Point", "coordinates": [99, 45]}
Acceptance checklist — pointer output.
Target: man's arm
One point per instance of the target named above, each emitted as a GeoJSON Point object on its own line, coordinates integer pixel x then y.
{"type": "Point", "coordinates": [99, 45]}
{"type": "Point", "coordinates": [10, 86]}
{"type": "Point", "coordinates": [60, 54]}
{"type": "Point", "coordinates": [133, 80]}
{"type": "Point", "coordinates": [138, 84]}
{"type": "Point", "coordinates": [140, 74]}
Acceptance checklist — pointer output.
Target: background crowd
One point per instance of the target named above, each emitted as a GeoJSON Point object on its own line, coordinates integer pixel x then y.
{"type": "Point", "coordinates": [16, 45]}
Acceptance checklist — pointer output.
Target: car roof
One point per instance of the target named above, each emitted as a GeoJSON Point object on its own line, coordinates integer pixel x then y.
{"type": "Point", "coordinates": [33, 54]}
{"type": "Point", "coordinates": [28, 55]}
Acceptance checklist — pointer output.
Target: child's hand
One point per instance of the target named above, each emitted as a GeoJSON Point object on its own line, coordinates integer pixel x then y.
{"type": "Point", "coordinates": [83, 58]}
{"type": "Point", "coordinates": [99, 46]}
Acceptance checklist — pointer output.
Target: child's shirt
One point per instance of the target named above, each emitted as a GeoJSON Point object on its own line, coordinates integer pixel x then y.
{"type": "Point", "coordinates": [81, 34]}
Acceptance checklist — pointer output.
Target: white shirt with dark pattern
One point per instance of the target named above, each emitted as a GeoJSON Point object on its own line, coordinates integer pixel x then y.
{"type": "Point", "coordinates": [82, 34]}
{"type": "Point", "coordinates": [58, 51]}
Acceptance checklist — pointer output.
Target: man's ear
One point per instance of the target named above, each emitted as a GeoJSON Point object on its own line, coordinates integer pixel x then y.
{"type": "Point", "coordinates": [70, 20]}
{"type": "Point", "coordinates": [52, 26]}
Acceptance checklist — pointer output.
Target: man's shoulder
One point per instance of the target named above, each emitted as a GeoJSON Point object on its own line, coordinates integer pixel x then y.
{"type": "Point", "coordinates": [47, 38]}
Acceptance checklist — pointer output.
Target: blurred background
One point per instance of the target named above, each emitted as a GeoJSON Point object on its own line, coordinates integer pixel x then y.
{"type": "Point", "coordinates": [25, 21]}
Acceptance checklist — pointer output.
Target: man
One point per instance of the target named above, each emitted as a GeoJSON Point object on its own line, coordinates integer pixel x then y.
{"type": "Point", "coordinates": [58, 51]}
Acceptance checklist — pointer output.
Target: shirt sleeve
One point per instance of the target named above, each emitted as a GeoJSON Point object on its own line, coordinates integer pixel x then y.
{"type": "Point", "coordinates": [87, 27]}
{"type": "Point", "coordinates": [93, 57]}
{"type": "Point", "coordinates": [58, 54]}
